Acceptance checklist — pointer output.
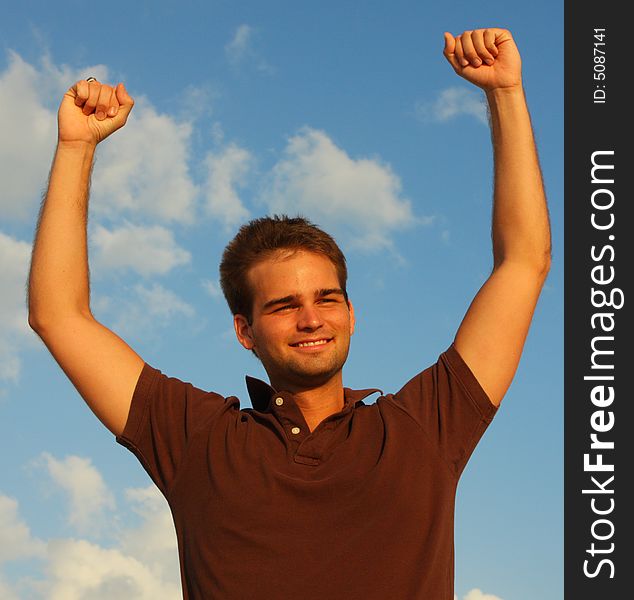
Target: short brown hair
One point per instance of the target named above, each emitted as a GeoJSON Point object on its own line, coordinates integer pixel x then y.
{"type": "Point", "coordinates": [261, 238]}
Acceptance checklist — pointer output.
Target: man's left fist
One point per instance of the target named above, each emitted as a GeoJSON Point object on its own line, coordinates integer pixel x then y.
{"type": "Point", "coordinates": [487, 58]}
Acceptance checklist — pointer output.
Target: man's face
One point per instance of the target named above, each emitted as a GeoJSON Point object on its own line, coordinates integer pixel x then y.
{"type": "Point", "coordinates": [301, 323]}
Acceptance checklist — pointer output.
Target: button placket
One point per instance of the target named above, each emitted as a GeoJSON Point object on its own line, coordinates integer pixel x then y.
{"type": "Point", "coordinates": [291, 418]}
{"type": "Point", "coordinates": [314, 448]}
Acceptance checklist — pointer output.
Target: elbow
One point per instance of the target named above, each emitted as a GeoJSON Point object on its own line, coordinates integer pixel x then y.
{"type": "Point", "coordinates": [34, 308]}
{"type": "Point", "coordinates": [545, 261]}
{"type": "Point", "coordinates": [50, 321]}
{"type": "Point", "coordinates": [32, 318]}
{"type": "Point", "coordinates": [541, 264]}
{"type": "Point", "coordinates": [35, 318]}
{"type": "Point", "coordinates": [35, 323]}
{"type": "Point", "coordinates": [535, 264]}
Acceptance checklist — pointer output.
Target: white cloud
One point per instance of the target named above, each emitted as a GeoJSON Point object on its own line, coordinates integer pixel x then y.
{"type": "Point", "coordinates": [29, 97]}
{"type": "Point", "coordinates": [78, 569]}
{"type": "Point", "coordinates": [148, 250]}
{"type": "Point", "coordinates": [240, 45]}
{"type": "Point", "coordinates": [212, 288]}
{"type": "Point", "coordinates": [227, 170]}
{"type": "Point", "coordinates": [15, 333]}
{"type": "Point", "coordinates": [89, 498]}
{"type": "Point", "coordinates": [144, 169]}
{"type": "Point", "coordinates": [196, 102]}
{"type": "Point", "coordinates": [161, 302]}
{"type": "Point", "coordinates": [451, 103]}
{"type": "Point", "coordinates": [28, 138]}
{"type": "Point", "coordinates": [6, 593]}
{"type": "Point", "coordinates": [476, 594]}
{"type": "Point", "coordinates": [360, 199]}
{"type": "Point", "coordinates": [141, 563]}
{"type": "Point", "coordinates": [153, 541]}
{"type": "Point", "coordinates": [146, 310]}
{"type": "Point", "coordinates": [16, 541]}
{"type": "Point", "coordinates": [240, 50]}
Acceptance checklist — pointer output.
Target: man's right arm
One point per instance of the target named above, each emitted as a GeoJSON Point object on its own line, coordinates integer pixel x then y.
{"type": "Point", "coordinates": [102, 367]}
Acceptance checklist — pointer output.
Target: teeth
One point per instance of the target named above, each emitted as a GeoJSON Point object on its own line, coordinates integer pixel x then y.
{"type": "Point", "coordinates": [318, 343]}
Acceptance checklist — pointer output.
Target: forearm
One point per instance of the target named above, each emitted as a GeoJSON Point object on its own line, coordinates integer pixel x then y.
{"type": "Point", "coordinates": [59, 279]}
{"type": "Point", "coordinates": [521, 230]}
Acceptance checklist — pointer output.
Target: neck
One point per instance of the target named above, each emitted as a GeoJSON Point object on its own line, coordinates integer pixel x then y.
{"type": "Point", "coordinates": [319, 402]}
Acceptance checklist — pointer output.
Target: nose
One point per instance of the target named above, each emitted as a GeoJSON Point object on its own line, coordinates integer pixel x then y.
{"type": "Point", "coordinates": [309, 318]}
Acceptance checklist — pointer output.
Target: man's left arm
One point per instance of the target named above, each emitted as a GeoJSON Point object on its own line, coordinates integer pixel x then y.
{"type": "Point", "coordinates": [492, 334]}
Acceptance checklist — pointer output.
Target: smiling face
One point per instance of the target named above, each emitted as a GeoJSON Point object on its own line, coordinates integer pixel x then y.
{"type": "Point", "coordinates": [301, 323]}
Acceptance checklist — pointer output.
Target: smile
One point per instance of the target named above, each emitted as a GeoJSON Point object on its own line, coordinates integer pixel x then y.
{"type": "Point", "coordinates": [311, 343]}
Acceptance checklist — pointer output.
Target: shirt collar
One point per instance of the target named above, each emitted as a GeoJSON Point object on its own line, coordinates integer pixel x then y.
{"type": "Point", "coordinates": [261, 394]}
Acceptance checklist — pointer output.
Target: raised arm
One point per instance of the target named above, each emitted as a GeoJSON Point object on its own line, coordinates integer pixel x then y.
{"type": "Point", "coordinates": [103, 368]}
{"type": "Point", "coordinates": [492, 334]}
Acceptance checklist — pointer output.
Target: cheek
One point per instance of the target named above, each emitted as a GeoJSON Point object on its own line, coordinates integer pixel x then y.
{"type": "Point", "coordinates": [344, 322]}
{"type": "Point", "coordinates": [271, 332]}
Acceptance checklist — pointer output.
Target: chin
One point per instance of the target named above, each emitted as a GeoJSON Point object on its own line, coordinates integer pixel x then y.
{"type": "Point", "coordinates": [306, 372]}
{"type": "Point", "coordinates": [315, 371]}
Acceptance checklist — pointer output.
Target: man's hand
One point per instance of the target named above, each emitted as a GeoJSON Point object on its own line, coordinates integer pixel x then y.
{"type": "Point", "coordinates": [91, 111]}
{"type": "Point", "coordinates": [487, 58]}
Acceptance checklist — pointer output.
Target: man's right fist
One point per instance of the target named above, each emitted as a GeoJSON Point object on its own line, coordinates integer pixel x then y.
{"type": "Point", "coordinates": [91, 111]}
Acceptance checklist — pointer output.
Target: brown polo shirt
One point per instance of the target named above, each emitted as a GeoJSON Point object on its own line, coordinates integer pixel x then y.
{"type": "Point", "coordinates": [362, 508]}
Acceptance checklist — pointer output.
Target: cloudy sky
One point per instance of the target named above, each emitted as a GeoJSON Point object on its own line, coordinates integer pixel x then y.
{"type": "Point", "coordinates": [343, 111]}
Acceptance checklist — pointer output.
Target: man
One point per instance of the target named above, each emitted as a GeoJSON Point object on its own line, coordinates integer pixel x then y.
{"type": "Point", "coordinates": [312, 493]}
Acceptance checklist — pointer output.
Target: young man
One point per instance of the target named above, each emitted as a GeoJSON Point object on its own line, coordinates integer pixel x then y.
{"type": "Point", "coordinates": [311, 494]}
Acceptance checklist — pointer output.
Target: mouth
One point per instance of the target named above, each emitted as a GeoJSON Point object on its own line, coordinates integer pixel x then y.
{"type": "Point", "coordinates": [309, 344]}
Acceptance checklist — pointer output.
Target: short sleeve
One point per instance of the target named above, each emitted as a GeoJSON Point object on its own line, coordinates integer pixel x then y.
{"type": "Point", "coordinates": [449, 404]}
{"type": "Point", "coordinates": [165, 414]}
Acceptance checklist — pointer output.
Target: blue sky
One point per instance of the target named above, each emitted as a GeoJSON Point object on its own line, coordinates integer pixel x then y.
{"type": "Point", "coordinates": [344, 111]}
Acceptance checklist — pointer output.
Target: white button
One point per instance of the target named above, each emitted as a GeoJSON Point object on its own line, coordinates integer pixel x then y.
{"type": "Point", "coordinates": [295, 430]}
{"type": "Point", "coordinates": [279, 401]}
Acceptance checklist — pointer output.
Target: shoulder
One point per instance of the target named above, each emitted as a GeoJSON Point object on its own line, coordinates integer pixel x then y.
{"type": "Point", "coordinates": [448, 381]}
{"type": "Point", "coordinates": [160, 400]}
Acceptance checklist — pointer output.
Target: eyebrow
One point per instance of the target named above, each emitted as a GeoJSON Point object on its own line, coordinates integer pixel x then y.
{"type": "Point", "coordinates": [318, 294]}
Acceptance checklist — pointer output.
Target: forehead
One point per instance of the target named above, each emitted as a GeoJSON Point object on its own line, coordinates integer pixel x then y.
{"type": "Point", "coordinates": [290, 274]}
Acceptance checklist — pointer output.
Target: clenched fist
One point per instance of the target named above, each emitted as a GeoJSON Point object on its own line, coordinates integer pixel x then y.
{"type": "Point", "coordinates": [487, 58]}
{"type": "Point", "coordinates": [91, 111]}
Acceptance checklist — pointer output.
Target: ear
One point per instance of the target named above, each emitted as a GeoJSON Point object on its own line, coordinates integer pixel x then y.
{"type": "Point", "coordinates": [243, 331]}
{"type": "Point", "coordinates": [352, 320]}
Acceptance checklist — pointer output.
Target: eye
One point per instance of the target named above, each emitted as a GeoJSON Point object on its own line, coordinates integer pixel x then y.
{"type": "Point", "coordinates": [285, 307]}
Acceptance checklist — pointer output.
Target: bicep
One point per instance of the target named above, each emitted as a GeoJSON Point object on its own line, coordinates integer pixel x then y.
{"type": "Point", "coordinates": [101, 366]}
{"type": "Point", "coordinates": [492, 334]}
